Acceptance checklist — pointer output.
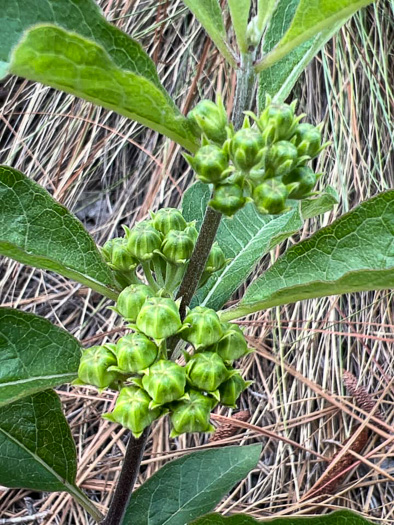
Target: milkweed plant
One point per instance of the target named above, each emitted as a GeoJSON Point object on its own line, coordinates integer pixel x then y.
{"type": "Point", "coordinates": [169, 276]}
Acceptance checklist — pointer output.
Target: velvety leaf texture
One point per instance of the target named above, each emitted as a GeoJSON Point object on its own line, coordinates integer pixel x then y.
{"type": "Point", "coordinates": [355, 253]}
{"type": "Point", "coordinates": [79, 16]}
{"type": "Point", "coordinates": [188, 487]}
{"type": "Point", "coordinates": [34, 355]}
{"type": "Point", "coordinates": [341, 517]}
{"type": "Point", "coordinates": [246, 238]}
{"type": "Point", "coordinates": [92, 47]}
{"type": "Point", "coordinates": [36, 448]}
{"type": "Point", "coordinates": [36, 230]}
{"type": "Point", "coordinates": [209, 14]}
{"type": "Point", "coordinates": [239, 10]}
{"type": "Point", "coordinates": [311, 18]}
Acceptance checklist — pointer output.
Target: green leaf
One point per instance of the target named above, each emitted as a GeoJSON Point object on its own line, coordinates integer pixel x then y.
{"type": "Point", "coordinates": [67, 61]}
{"type": "Point", "coordinates": [34, 355]}
{"type": "Point", "coordinates": [239, 11]}
{"type": "Point", "coordinates": [321, 203]}
{"type": "Point", "coordinates": [311, 18]}
{"type": "Point", "coordinates": [36, 230]}
{"type": "Point", "coordinates": [246, 238]}
{"type": "Point", "coordinates": [209, 14]}
{"type": "Point", "coordinates": [355, 253]}
{"type": "Point", "coordinates": [36, 448]}
{"type": "Point", "coordinates": [188, 487]}
{"type": "Point", "coordinates": [123, 55]}
{"type": "Point", "coordinates": [335, 518]}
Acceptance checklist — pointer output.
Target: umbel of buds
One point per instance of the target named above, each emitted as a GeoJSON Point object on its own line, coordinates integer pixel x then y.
{"type": "Point", "coordinates": [264, 163]}
{"type": "Point", "coordinates": [141, 365]}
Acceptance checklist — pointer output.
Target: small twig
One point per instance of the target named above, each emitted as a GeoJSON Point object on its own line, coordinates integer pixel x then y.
{"type": "Point", "coordinates": [128, 476]}
{"type": "Point", "coordinates": [25, 519]}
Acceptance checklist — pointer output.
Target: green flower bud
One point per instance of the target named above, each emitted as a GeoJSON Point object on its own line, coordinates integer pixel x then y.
{"type": "Point", "coordinates": [192, 232]}
{"type": "Point", "coordinates": [232, 388]}
{"type": "Point", "coordinates": [304, 180]}
{"type": "Point", "coordinates": [93, 367]}
{"type": "Point", "coordinates": [210, 163]}
{"type": "Point", "coordinates": [201, 327]}
{"type": "Point", "coordinates": [307, 139]}
{"type": "Point", "coordinates": [178, 246]}
{"type": "Point", "coordinates": [216, 259]}
{"type": "Point", "coordinates": [256, 177]}
{"type": "Point", "coordinates": [270, 197]}
{"type": "Point", "coordinates": [131, 299]}
{"type": "Point", "coordinates": [132, 410]}
{"type": "Point", "coordinates": [227, 199]}
{"type": "Point", "coordinates": [277, 122]}
{"type": "Point", "coordinates": [164, 381]}
{"type": "Point", "coordinates": [206, 371]}
{"type": "Point", "coordinates": [211, 119]}
{"type": "Point", "coordinates": [192, 414]}
{"type": "Point", "coordinates": [135, 352]}
{"type": "Point", "coordinates": [232, 345]}
{"type": "Point", "coordinates": [117, 255]}
{"type": "Point", "coordinates": [280, 159]}
{"type": "Point", "coordinates": [142, 241]}
{"type": "Point", "coordinates": [168, 219]}
{"type": "Point", "coordinates": [159, 318]}
{"type": "Point", "coordinates": [246, 149]}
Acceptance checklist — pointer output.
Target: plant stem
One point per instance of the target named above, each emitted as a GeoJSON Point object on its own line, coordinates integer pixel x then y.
{"type": "Point", "coordinates": [149, 277]}
{"type": "Point", "coordinates": [85, 502]}
{"type": "Point", "coordinates": [246, 80]}
{"type": "Point", "coordinates": [128, 475]}
{"type": "Point", "coordinates": [199, 258]}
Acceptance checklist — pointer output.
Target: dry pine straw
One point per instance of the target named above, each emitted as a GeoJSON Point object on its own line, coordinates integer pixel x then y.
{"type": "Point", "coordinates": [110, 172]}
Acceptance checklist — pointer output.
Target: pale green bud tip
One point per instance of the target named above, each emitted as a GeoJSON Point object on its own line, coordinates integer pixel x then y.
{"type": "Point", "coordinates": [233, 344]}
{"type": "Point", "coordinates": [246, 149]}
{"type": "Point", "coordinates": [206, 371]}
{"type": "Point", "coordinates": [135, 352]}
{"type": "Point", "coordinates": [131, 299]}
{"type": "Point", "coordinates": [209, 118]}
{"type": "Point", "coordinates": [167, 219]}
{"type": "Point", "coordinates": [232, 388]}
{"type": "Point", "coordinates": [192, 414]}
{"type": "Point", "coordinates": [132, 410]}
{"type": "Point", "coordinates": [227, 199]}
{"type": "Point", "coordinates": [93, 367]}
{"type": "Point", "coordinates": [202, 327]}
{"type": "Point", "coordinates": [159, 318]}
{"type": "Point", "coordinates": [210, 163]}
{"type": "Point", "coordinates": [270, 197]}
{"type": "Point", "coordinates": [142, 241]}
{"type": "Point", "coordinates": [178, 246]}
{"type": "Point", "coordinates": [280, 159]}
{"type": "Point", "coordinates": [165, 381]}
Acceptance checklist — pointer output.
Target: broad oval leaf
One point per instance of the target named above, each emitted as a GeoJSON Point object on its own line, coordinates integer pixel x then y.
{"type": "Point", "coordinates": [188, 487]}
{"type": "Point", "coordinates": [246, 238]}
{"type": "Point", "coordinates": [209, 14]}
{"type": "Point", "coordinates": [36, 448]}
{"type": "Point", "coordinates": [311, 18]}
{"type": "Point", "coordinates": [355, 253]}
{"type": "Point", "coordinates": [34, 355]}
{"type": "Point", "coordinates": [70, 62]}
{"type": "Point", "coordinates": [335, 518]}
{"type": "Point", "coordinates": [83, 18]}
{"type": "Point", "coordinates": [37, 230]}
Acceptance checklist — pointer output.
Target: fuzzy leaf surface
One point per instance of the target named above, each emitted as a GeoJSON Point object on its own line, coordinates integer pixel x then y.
{"type": "Point", "coordinates": [209, 14]}
{"type": "Point", "coordinates": [187, 488]}
{"type": "Point", "coordinates": [70, 62]}
{"type": "Point", "coordinates": [335, 518]}
{"type": "Point", "coordinates": [34, 355]}
{"type": "Point", "coordinates": [246, 238]}
{"type": "Point", "coordinates": [355, 253]}
{"type": "Point", "coordinates": [311, 18]}
{"type": "Point", "coordinates": [278, 80]}
{"type": "Point", "coordinates": [38, 231]}
{"type": "Point", "coordinates": [239, 10]}
{"type": "Point", "coordinates": [36, 448]}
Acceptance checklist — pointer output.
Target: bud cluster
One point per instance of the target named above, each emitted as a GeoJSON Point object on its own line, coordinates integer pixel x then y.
{"type": "Point", "coordinates": [151, 384]}
{"type": "Point", "coordinates": [161, 247]}
{"type": "Point", "coordinates": [265, 163]}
